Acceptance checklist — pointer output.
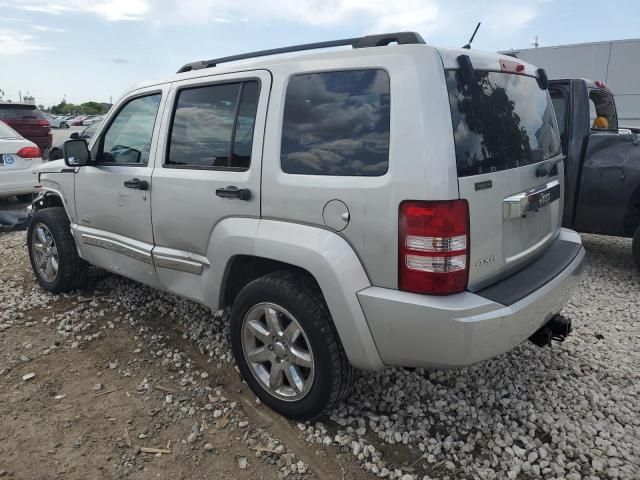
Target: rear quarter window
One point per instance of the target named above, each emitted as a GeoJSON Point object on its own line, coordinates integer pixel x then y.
{"type": "Point", "coordinates": [337, 123]}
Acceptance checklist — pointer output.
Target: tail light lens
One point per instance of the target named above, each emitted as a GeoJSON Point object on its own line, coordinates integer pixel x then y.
{"type": "Point", "coordinates": [434, 246]}
{"type": "Point", "coordinates": [43, 123]}
{"type": "Point", "coordinates": [29, 152]}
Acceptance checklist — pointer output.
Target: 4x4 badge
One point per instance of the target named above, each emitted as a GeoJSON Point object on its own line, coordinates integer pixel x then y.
{"type": "Point", "coordinates": [484, 261]}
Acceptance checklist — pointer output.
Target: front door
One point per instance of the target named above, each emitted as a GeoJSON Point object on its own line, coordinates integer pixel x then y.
{"type": "Point", "coordinates": [210, 172]}
{"type": "Point", "coordinates": [113, 193]}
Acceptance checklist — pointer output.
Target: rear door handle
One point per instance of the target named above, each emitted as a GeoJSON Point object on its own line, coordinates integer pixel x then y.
{"type": "Point", "coordinates": [137, 184]}
{"type": "Point", "coordinates": [234, 192]}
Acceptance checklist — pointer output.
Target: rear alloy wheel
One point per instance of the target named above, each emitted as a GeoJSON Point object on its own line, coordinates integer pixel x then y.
{"type": "Point", "coordinates": [64, 125]}
{"type": "Point", "coordinates": [286, 346]}
{"type": "Point", "coordinates": [277, 351]}
{"type": "Point", "coordinates": [635, 247]}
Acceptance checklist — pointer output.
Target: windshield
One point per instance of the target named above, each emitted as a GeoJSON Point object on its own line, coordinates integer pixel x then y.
{"type": "Point", "coordinates": [7, 132]}
{"type": "Point", "coordinates": [500, 121]}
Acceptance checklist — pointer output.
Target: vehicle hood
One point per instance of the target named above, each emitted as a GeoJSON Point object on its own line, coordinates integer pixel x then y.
{"type": "Point", "coordinates": [54, 166]}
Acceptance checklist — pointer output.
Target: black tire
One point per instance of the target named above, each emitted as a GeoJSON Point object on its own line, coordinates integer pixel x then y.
{"type": "Point", "coordinates": [64, 125]}
{"type": "Point", "coordinates": [72, 270]}
{"type": "Point", "coordinates": [300, 296]}
{"type": "Point", "coordinates": [635, 247]}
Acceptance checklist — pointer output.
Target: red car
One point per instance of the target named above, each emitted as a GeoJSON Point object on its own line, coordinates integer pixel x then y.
{"type": "Point", "coordinates": [29, 122]}
{"type": "Point", "coordinates": [77, 121]}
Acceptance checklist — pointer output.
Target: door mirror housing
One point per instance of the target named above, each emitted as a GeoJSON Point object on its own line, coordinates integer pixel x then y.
{"type": "Point", "coordinates": [75, 135]}
{"type": "Point", "coordinates": [76, 153]}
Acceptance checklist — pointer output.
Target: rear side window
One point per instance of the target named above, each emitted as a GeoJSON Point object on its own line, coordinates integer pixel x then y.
{"type": "Point", "coordinates": [337, 123]}
{"type": "Point", "coordinates": [20, 112]}
{"type": "Point", "coordinates": [602, 111]}
{"type": "Point", "coordinates": [500, 121]}
{"type": "Point", "coordinates": [213, 126]}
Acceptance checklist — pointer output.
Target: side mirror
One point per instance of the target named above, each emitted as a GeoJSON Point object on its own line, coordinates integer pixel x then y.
{"type": "Point", "coordinates": [75, 135]}
{"type": "Point", "coordinates": [76, 153]}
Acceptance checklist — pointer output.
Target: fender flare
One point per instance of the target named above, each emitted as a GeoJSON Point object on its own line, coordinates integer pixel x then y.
{"type": "Point", "coordinates": [324, 254]}
{"type": "Point", "coordinates": [50, 187]}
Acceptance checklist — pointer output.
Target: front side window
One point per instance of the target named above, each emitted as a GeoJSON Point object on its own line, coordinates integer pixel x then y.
{"type": "Point", "coordinates": [602, 111]}
{"type": "Point", "coordinates": [337, 123]}
{"type": "Point", "coordinates": [128, 139]}
{"type": "Point", "coordinates": [90, 131]}
{"type": "Point", "coordinates": [213, 126]}
{"type": "Point", "coordinates": [500, 121]}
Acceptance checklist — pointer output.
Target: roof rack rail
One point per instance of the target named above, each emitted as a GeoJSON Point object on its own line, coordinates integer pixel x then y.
{"type": "Point", "coordinates": [401, 38]}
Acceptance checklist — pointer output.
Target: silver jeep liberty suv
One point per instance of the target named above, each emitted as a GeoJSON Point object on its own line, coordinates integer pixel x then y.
{"type": "Point", "coordinates": [386, 204]}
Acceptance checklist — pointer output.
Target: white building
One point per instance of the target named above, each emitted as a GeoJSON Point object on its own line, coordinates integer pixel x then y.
{"type": "Point", "coordinates": [615, 62]}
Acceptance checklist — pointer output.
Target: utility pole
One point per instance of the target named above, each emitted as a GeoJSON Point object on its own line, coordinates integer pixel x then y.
{"type": "Point", "coordinates": [535, 43]}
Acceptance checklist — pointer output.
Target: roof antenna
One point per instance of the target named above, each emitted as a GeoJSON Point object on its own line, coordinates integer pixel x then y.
{"type": "Point", "coordinates": [468, 45]}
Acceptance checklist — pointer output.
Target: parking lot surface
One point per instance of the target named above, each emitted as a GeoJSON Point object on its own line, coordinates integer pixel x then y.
{"type": "Point", "coordinates": [166, 377]}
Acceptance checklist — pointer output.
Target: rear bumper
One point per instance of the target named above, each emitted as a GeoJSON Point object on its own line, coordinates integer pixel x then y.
{"type": "Point", "coordinates": [17, 182]}
{"type": "Point", "coordinates": [453, 331]}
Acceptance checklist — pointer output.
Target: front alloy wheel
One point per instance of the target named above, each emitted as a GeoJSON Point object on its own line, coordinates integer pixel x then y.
{"type": "Point", "coordinates": [45, 253]}
{"type": "Point", "coordinates": [52, 251]}
{"type": "Point", "coordinates": [277, 351]}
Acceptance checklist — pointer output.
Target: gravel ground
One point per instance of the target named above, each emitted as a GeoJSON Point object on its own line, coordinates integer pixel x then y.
{"type": "Point", "coordinates": [570, 412]}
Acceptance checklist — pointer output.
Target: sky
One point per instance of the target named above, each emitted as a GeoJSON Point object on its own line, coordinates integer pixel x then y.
{"type": "Point", "coordinates": [84, 50]}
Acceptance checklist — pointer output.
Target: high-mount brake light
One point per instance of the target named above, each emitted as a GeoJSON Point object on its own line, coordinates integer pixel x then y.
{"type": "Point", "coordinates": [509, 66]}
{"type": "Point", "coordinates": [434, 246]}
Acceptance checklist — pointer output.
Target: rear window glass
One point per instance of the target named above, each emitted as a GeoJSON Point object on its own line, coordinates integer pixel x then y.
{"type": "Point", "coordinates": [20, 112]}
{"type": "Point", "coordinates": [602, 111]}
{"type": "Point", "coordinates": [337, 123]}
{"type": "Point", "coordinates": [500, 121]}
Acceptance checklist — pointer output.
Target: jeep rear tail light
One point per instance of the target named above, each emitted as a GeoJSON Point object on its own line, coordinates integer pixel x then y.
{"type": "Point", "coordinates": [434, 246]}
{"type": "Point", "coordinates": [43, 123]}
{"type": "Point", "coordinates": [29, 152]}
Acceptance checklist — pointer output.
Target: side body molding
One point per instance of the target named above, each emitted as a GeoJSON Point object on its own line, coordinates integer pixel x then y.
{"type": "Point", "coordinates": [324, 254]}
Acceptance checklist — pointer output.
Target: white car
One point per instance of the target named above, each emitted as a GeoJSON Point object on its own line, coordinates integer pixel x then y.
{"type": "Point", "coordinates": [18, 160]}
{"type": "Point", "coordinates": [57, 122]}
{"type": "Point", "coordinates": [91, 120]}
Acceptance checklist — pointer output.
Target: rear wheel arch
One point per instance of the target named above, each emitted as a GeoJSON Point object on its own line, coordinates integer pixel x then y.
{"type": "Point", "coordinates": [243, 269]}
{"type": "Point", "coordinates": [261, 247]}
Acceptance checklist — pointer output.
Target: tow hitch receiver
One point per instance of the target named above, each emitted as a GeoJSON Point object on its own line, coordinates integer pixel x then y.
{"type": "Point", "coordinates": [558, 328]}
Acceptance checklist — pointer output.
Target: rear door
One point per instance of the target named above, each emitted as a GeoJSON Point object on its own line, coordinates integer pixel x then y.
{"type": "Point", "coordinates": [506, 138]}
{"type": "Point", "coordinates": [209, 170]}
